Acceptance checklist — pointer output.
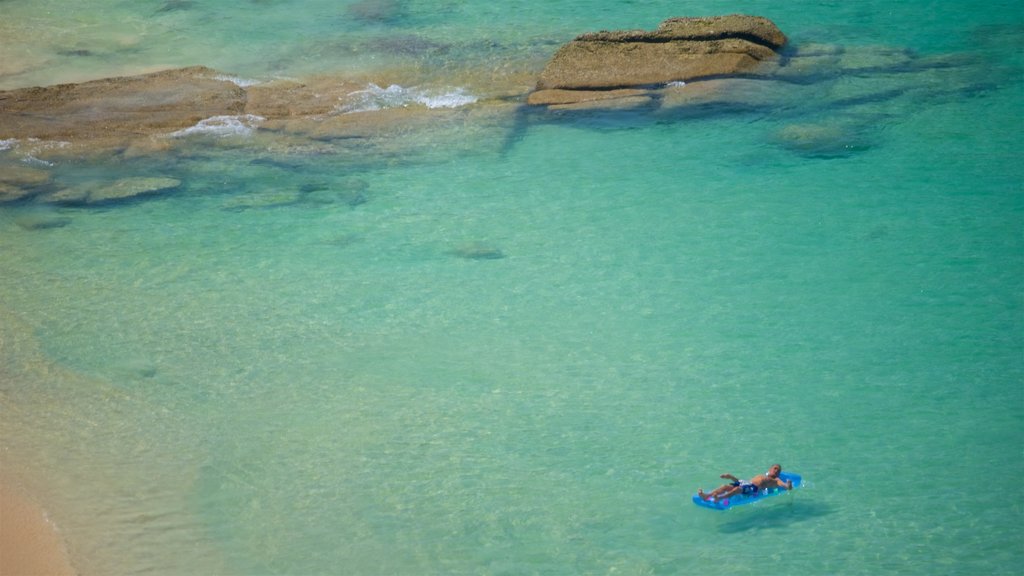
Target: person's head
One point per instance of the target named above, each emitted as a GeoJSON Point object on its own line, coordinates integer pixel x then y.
{"type": "Point", "coordinates": [775, 470]}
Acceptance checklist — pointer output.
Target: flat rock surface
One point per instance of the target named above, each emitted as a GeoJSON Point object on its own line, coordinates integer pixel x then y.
{"type": "Point", "coordinates": [119, 107]}
{"type": "Point", "coordinates": [681, 49]}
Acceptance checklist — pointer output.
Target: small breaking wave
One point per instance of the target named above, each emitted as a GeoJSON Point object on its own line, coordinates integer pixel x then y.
{"type": "Point", "coordinates": [26, 150]}
{"type": "Point", "coordinates": [394, 96]}
{"type": "Point", "coordinates": [222, 126]}
{"type": "Point", "coordinates": [242, 82]}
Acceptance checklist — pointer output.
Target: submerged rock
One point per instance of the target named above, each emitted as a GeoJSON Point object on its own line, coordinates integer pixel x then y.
{"type": "Point", "coordinates": [406, 45]}
{"type": "Point", "coordinates": [20, 182]}
{"type": "Point", "coordinates": [263, 199]}
{"type": "Point", "coordinates": [823, 139]}
{"type": "Point", "coordinates": [41, 221]}
{"type": "Point", "coordinates": [350, 191]}
{"type": "Point", "coordinates": [478, 252]}
{"type": "Point", "coordinates": [351, 198]}
{"type": "Point", "coordinates": [176, 5]}
{"type": "Point", "coordinates": [110, 192]}
{"type": "Point", "coordinates": [13, 193]}
{"type": "Point", "coordinates": [23, 175]}
{"type": "Point", "coordinates": [558, 96]}
{"type": "Point", "coordinates": [375, 10]}
{"type": "Point", "coordinates": [132, 188]}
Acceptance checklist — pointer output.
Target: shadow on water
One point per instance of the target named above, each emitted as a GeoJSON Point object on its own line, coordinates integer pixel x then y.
{"type": "Point", "coordinates": [521, 121]}
{"type": "Point", "coordinates": [527, 116]}
{"type": "Point", "coordinates": [774, 517]}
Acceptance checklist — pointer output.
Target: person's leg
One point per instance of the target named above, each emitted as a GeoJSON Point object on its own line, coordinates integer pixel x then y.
{"type": "Point", "coordinates": [732, 491]}
{"type": "Point", "coordinates": [716, 493]}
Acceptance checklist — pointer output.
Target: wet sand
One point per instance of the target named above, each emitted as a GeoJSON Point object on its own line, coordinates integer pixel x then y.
{"type": "Point", "coordinates": [29, 543]}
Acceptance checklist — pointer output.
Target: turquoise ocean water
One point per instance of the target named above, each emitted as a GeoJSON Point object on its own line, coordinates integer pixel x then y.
{"type": "Point", "coordinates": [521, 345]}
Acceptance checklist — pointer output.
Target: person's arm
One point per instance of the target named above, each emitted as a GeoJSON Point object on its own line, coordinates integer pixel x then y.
{"type": "Point", "coordinates": [788, 484]}
{"type": "Point", "coordinates": [728, 476]}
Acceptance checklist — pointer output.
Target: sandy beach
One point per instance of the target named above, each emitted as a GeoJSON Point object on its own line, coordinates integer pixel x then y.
{"type": "Point", "coordinates": [29, 543]}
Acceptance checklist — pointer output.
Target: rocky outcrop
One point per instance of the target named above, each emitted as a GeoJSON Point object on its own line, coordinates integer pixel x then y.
{"type": "Point", "coordinates": [680, 50]}
{"type": "Point", "coordinates": [824, 100]}
{"type": "Point", "coordinates": [120, 107]}
{"type": "Point", "coordinates": [160, 112]}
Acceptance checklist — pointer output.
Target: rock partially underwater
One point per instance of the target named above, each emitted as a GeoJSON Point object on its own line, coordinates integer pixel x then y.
{"type": "Point", "coordinates": [132, 111]}
{"type": "Point", "coordinates": [828, 98]}
{"type": "Point", "coordinates": [738, 62]}
{"type": "Point", "coordinates": [119, 109]}
{"type": "Point", "coordinates": [823, 101]}
{"type": "Point", "coordinates": [679, 50]}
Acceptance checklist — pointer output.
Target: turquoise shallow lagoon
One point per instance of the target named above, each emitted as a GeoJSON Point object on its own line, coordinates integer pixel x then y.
{"type": "Point", "coordinates": [519, 347]}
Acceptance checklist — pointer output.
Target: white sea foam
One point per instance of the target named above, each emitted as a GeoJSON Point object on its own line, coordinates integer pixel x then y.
{"type": "Point", "coordinates": [243, 82]}
{"type": "Point", "coordinates": [33, 161]}
{"type": "Point", "coordinates": [26, 150]}
{"type": "Point", "coordinates": [676, 84]}
{"type": "Point", "coordinates": [223, 126]}
{"type": "Point", "coordinates": [394, 96]}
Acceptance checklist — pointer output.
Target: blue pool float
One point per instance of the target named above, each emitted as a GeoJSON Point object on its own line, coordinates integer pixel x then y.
{"type": "Point", "coordinates": [741, 499]}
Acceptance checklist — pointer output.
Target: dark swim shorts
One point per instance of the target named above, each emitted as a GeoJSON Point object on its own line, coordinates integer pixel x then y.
{"type": "Point", "coordinates": [746, 488]}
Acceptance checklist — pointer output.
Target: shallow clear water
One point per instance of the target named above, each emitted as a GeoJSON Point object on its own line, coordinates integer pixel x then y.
{"type": "Point", "coordinates": [523, 353]}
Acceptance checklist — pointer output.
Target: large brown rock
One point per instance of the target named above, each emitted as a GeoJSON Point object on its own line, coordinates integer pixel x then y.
{"type": "Point", "coordinates": [680, 50]}
{"type": "Point", "coordinates": [119, 107]}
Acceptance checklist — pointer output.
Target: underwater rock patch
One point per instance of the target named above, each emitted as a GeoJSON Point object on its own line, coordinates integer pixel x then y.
{"type": "Point", "coordinates": [559, 96]}
{"type": "Point", "coordinates": [103, 193]}
{"type": "Point", "coordinates": [729, 93]}
{"type": "Point", "coordinates": [41, 221]}
{"type": "Point", "coordinates": [351, 192]}
{"type": "Point", "coordinates": [20, 182]}
{"type": "Point", "coordinates": [478, 252]}
{"type": "Point", "coordinates": [176, 5]}
{"type": "Point", "coordinates": [13, 193]}
{"type": "Point", "coordinates": [406, 45]}
{"type": "Point", "coordinates": [264, 199]}
{"type": "Point", "coordinates": [351, 198]}
{"type": "Point", "coordinates": [23, 175]}
{"type": "Point", "coordinates": [375, 11]}
{"type": "Point", "coordinates": [822, 140]}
